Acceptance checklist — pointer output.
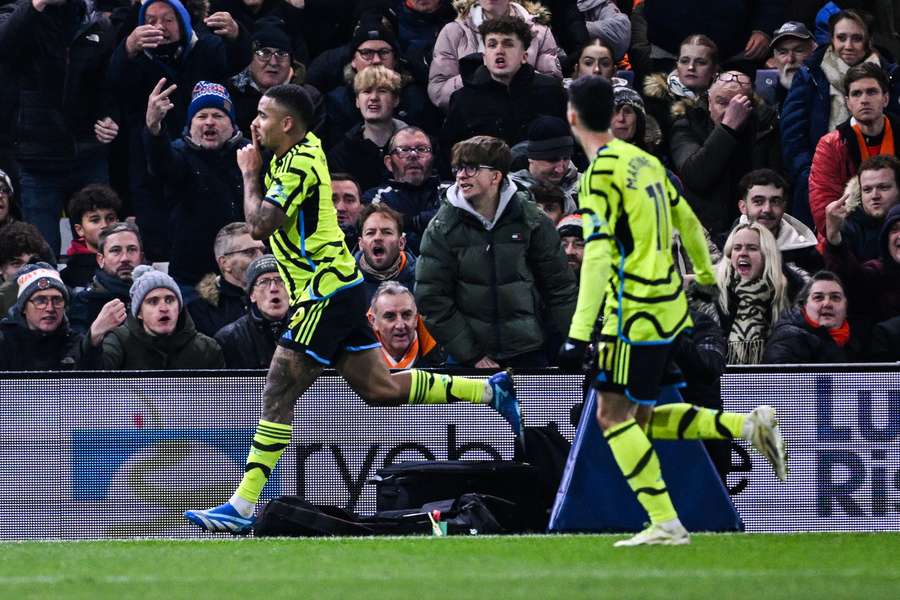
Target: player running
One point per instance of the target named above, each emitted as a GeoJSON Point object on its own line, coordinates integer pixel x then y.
{"type": "Point", "coordinates": [328, 325]}
{"type": "Point", "coordinates": [630, 210]}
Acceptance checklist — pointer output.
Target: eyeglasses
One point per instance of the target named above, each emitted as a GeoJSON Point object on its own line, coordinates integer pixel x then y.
{"type": "Point", "coordinates": [5, 190]}
{"type": "Point", "coordinates": [42, 301]}
{"type": "Point", "coordinates": [264, 54]}
{"type": "Point", "coordinates": [264, 283]}
{"type": "Point", "coordinates": [739, 77]}
{"type": "Point", "coordinates": [252, 252]}
{"type": "Point", "coordinates": [470, 170]}
{"type": "Point", "coordinates": [407, 151]}
{"type": "Point", "coordinates": [368, 54]}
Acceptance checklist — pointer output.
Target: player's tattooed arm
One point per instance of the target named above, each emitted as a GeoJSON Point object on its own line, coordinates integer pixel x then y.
{"type": "Point", "coordinates": [290, 374]}
{"type": "Point", "coordinates": [263, 218]}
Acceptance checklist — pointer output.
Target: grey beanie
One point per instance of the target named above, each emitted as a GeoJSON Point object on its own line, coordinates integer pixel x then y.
{"type": "Point", "coordinates": [626, 95]}
{"type": "Point", "coordinates": [146, 279]}
{"type": "Point", "coordinates": [35, 278]}
{"type": "Point", "coordinates": [262, 264]}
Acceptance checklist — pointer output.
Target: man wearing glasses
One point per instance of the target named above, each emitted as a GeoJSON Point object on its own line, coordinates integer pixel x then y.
{"type": "Point", "coordinates": [413, 190]}
{"type": "Point", "coordinates": [249, 342]}
{"type": "Point", "coordinates": [490, 263]}
{"type": "Point", "coordinates": [222, 298]}
{"type": "Point", "coordinates": [713, 149]}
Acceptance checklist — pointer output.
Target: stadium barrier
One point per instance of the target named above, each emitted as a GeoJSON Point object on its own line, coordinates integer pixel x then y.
{"type": "Point", "coordinates": [113, 455]}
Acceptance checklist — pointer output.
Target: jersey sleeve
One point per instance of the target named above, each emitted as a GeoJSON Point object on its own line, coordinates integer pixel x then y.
{"type": "Point", "coordinates": [289, 186]}
{"type": "Point", "coordinates": [599, 199]}
{"type": "Point", "coordinates": [688, 225]}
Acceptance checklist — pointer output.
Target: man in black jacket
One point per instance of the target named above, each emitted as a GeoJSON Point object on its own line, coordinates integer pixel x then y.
{"type": "Point", "coordinates": [504, 95]}
{"type": "Point", "coordinates": [249, 342]}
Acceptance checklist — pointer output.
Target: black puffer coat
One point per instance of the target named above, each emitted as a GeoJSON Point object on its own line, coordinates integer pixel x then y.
{"type": "Point", "coordinates": [22, 349]}
{"type": "Point", "coordinates": [794, 341]}
{"type": "Point", "coordinates": [249, 342]}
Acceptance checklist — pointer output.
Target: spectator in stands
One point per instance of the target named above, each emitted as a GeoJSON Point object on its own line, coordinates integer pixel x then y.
{"type": "Point", "coordinates": [505, 94]}
{"type": "Point", "coordinates": [60, 116]}
{"type": "Point", "coordinates": [374, 45]}
{"type": "Point", "coordinates": [571, 237]}
{"type": "Point", "coordinates": [413, 190]}
{"type": "Point", "coordinates": [873, 287]}
{"type": "Point", "coordinates": [669, 97]}
{"type": "Point", "coordinates": [632, 124]}
{"type": "Point", "coordinates": [549, 147]}
{"type": "Point", "coordinates": [816, 105]}
{"type": "Point", "coordinates": [551, 199]}
{"type": "Point", "coordinates": [791, 45]}
{"type": "Point", "coordinates": [249, 342]}
{"type": "Point", "coordinates": [382, 254]}
{"type": "Point", "coordinates": [405, 342]}
{"type": "Point", "coordinates": [256, 15]}
{"type": "Point", "coordinates": [462, 38]}
{"type": "Point", "coordinates": [119, 251]}
{"type": "Point", "coordinates": [35, 335]}
{"type": "Point", "coordinates": [816, 330]}
{"type": "Point", "coordinates": [763, 198]}
{"type": "Point", "coordinates": [221, 299]}
{"type": "Point", "coordinates": [712, 149]}
{"type": "Point", "coordinates": [752, 292]}
{"type": "Point", "coordinates": [347, 199]}
{"type": "Point", "coordinates": [418, 24]}
{"type": "Point", "coordinates": [601, 19]}
{"type": "Point", "coordinates": [200, 172]}
{"type": "Point", "coordinates": [595, 57]}
{"type": "Point", "coordinates": [490, 261]}
{"type": "Point", "coordinates": [91, 210]}
{"type": "Point", "coordinates": [361, 150]}
{"type": "Point", "coordinates": [884, 345]}
{"type": "Point", "coordinates": [876, 192]}
{"type": "Point", "coordinates": [159, 333]}
{"type": "Point", "coordinates": [9, 209]}
{"type": "Point", "coordinates": [869, 133]}
{"type": "Point", "coordinates": [165, 44]}
{"type": "Point", "coordinates": [19, 243]}
{"type": "Point", "coordinates": [274, 62]}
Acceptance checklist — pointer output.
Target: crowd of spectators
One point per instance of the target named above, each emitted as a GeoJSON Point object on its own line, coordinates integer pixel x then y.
{"type": "Point", "coordinates": [455, 175]}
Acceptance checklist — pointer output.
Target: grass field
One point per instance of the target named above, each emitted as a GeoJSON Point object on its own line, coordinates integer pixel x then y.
{"type": "Point", "coordinates": [585, 566]}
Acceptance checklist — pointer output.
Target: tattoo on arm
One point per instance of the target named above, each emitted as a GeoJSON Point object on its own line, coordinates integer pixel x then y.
{"type": "Point", "coordinates": [262, 217]}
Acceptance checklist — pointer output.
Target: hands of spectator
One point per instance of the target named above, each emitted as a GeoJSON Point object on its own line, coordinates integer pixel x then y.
{"type": "Point", "coordinates": [143, 36]}
{"type": "Point", "coordinates": [757, 46]}
{"type": "Point", "coordinates": [571, 355]}
{"type": "Point", "coordinates": [222, 23]}
{"type": "Point", "coordinates": [106, 130]}
{"type": "Point", "coordinates": [40, 5]}
{"type": "Point", "coordinates": [835, 214]}
{"type": "Point", "coordinates": [111, 316]}
{"type": "Point", "coordinates": [739, 109]}
{"type": "Point", "coordinates": [249, 158]}
{"type": "Point", "coordinates": [299, 4]}
{"type": "Point", "coordinates": [486, 363]}
{"type": "Point", "coordinates": [159, 105]}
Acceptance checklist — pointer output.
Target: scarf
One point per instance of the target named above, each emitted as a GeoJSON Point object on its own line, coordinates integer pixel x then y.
{"type": "Point", "coordinates": [840, 335]}
{"type": "Point", "coordinates": [835, 69]}
{"type": "Point", "coordinates": [887, 141]}
{"type": "Point", "coordinates": [388, 274]}
{"type": "Point", "coordinates": [421, 345]}
{"type": "Point", "coordinates": [750, 328]}
{"type": "Point", "coordinates": [679, 89]}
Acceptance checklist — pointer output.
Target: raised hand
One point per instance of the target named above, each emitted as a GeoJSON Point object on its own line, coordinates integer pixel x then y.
{"type": "Point", "coordinates": [835, 214]}
{"type": "Point", "coordinates": [223, 24]}
{"type": "Point", "coordinates": [111, 316]}
{"type": "Point", "coordinates": [158, 105]}
{"type": "Point", "coordinates": [739, 109]}
{"type": "Point", "coordinates": [142, 38]}
{"type": "Point", "coordinates": [106, 130]}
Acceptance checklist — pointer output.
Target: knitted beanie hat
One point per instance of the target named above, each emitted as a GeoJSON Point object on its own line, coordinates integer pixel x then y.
{"type": "Point", "coordinates": [207, 94]}
{"type": "Point", "coordinates": [261, 265]}
{"type": "Point", "coordinates": [35, 278]}
{"type": "Point", "coordinates": [147, 279]}
{"type": "Point", "coordinates": [626, 95]}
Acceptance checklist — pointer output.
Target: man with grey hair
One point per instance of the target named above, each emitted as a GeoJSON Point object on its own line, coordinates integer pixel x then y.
{"type": "Point", "coordinates": [791, 45]}
{"type": "Point", "coordinates": [395, 320]}
{"type": "Point", "coordinates": [221, 298]}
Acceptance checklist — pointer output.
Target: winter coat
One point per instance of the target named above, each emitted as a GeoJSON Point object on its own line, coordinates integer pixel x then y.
{"type": "Point", "coordinates": [206, 189]}
{"type": "Point", "coordinates": [249, 342]}
{"type": "Point", "coordinates": [568, 184]}
{"type": "Point", "coordinates": [87, 304]}
{"type": "Point", "coordinates": [701, 354]}
{"type": "Point", "coordinates": [291, 20]}
{"type": "Point", "coordinates": [80, 266]}
{"type": "Point", "coordinates": [794, 341]}
{"type": "Point", "coordinates": [417, 33]}
{"type": "Point", "coordinates": [130, 348]}
{"type": "Point", "coordinates": [603, 19]}
{"type": "Point", "coordinates": [54, 71]}
{"type": "Point", "coordinates": [484, 106]}
{"type": "Point", "coordinates": [711, 160]}
{"type": "Point", "coordinates": [245, 98]}
{"type": "Point", "coordinates": [461, 38]}
{"type": "Point", "coordinates": [22, 349]}
{"type": "Point", "coordinates": [360, 157]}
{"type": "Point", "coordinates": [836, 160]}
{"type": "Point", "coordinates": [481, 287]}
{"type": "Point", "coordinates": [664, 108]}
{"type": "Point", "coordinates": [884, 345]}
{"type": "Point", "coordinates": [219, 303]}
{"type": "Point", "coordinates": [417, 204]}
{"type": "Point", "coordinates": [406, 277]}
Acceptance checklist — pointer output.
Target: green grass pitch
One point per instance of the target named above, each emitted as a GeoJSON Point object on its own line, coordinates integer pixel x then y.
{"type": "Point", "coordinates": [572, 566]}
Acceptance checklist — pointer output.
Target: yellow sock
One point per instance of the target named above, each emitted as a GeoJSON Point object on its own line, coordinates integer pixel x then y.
{"type": "Point", "coordinates": [434, 388]}
{"type": "Point", "coordinates": [687, 422]}
{"type": "Point", "coordinates": [268, 443]}
{"type": "Point", "coordinates": [636, 458]}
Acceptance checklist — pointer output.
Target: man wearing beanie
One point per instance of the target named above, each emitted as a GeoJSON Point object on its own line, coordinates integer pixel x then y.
{"type": "Point", "coordinates": [249, 342]}
{"type": "Point", "coordinates": [571, 238]}
{"type": "Point", "coordinates": [549, 148]}
{"type": "Point", "coordinates": [158, 333]}
{"type": "Point", "coordinates": [200, 174]}
{"type": "Point", "coordinates": [35, 334]}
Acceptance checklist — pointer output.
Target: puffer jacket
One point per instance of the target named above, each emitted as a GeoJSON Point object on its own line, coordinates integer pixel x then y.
{"type": "Point", "coordinates": [249, 342]}
{"type": "Point", "coordinates": [22, 349]}
{"type": "Point", "coordinates": [460, 38]}
{"type": "Point", "coordinates": [482, 287]}
{"type": "Point", "coordinates": [794, 341]}
{"type": "Point", "coordinates": [128, 347]}
{"type": "Point", "coordinates": [219, 303]}
{"type": "Point", "coordinates": [664, 107]}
